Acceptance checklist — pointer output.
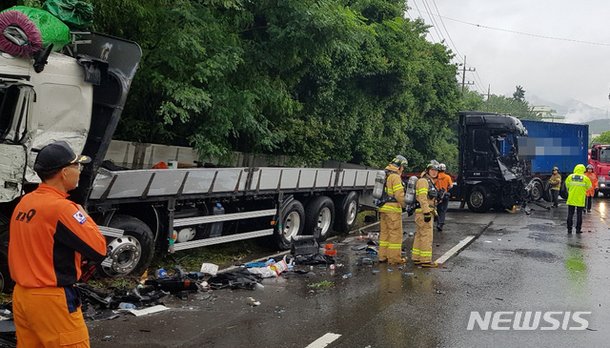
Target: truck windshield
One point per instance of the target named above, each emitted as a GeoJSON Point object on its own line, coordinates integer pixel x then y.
{"type": "Point", "coordinates": [13, 110]}
{"type": "Point", "coordinates": [506, 146]}
{"type": "Point", "coordinates": [604, 155]}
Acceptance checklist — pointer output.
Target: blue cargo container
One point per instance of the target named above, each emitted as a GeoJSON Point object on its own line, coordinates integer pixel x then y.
{"type": "Point", "coordinates": [550, 144]}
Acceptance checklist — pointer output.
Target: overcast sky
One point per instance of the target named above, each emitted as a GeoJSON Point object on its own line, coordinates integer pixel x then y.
{"type": "Point", "coordinates": [552, 69]}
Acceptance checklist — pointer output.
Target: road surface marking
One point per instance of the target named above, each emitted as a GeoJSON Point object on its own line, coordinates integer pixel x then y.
{"type": "Point", "coordinates": [324, 341]}
{"type": "Point", "coordinates": [457, 248]}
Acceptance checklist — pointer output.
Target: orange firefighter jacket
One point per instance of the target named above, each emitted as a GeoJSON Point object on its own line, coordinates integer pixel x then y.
{"type": "Point", "coordinates": [443, 182]}
{"type": "Point", "coordinates": [594, 181]}
{"type": "Point", "coordinates": [48, 236]}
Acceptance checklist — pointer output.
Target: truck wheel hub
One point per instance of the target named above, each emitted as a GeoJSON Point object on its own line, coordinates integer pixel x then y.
{"type": "Point", "coordinates": [476, 199]}
{"type": "Point", "coordinates": [125, 254]}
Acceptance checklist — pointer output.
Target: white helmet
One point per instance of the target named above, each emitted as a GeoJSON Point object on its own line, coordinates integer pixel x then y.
{"type": "Point", "coordinates": [442, 167]}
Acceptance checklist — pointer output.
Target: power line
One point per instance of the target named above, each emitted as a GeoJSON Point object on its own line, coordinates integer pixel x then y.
{"type": "Point", "coordinates": [447, 31]}
{"type": "Point", "coordinates": [527, 34]}
{"type": "Point", "coordinates": [434, 25]}
{"type": "Point", "coordinates": [422, 17]}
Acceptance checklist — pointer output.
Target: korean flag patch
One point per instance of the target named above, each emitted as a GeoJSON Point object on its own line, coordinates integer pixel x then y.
{"type": "Point", "coordinates": [80, 217]}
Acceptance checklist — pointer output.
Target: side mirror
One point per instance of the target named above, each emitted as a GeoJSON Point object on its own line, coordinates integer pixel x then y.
{"type": "Point", "coordinates": [40, 59]}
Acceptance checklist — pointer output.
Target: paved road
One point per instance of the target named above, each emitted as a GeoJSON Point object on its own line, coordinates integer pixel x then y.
{"type": "Point", "coordinates": [519, 263]}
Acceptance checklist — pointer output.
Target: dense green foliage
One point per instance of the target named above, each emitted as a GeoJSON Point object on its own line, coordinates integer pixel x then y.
{"type": "Point", "coordinates": [349, 80]}
{"type": "Point", "coordinates": [515, 105]}
{"type": "Point", "coordinates": [603, 138]}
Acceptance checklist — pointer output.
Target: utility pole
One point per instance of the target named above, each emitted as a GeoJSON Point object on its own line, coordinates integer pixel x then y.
{"type": "Point", "coordinates": [464, 69]}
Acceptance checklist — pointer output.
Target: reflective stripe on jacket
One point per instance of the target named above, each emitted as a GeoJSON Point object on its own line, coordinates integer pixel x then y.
{"type": "Point", "coordinates": [393, 188]}
{"type": "Point", "coordinates": [421, 194]}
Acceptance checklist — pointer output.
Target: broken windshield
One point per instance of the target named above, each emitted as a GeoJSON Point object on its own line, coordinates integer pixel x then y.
{"type": "Point", "coordinates": [14, 102]}
{"type": "Point", "coordinates": [506, 148]}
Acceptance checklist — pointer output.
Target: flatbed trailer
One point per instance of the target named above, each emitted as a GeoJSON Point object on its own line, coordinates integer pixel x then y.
{"type": "Point", "coordinates": [173, 209]}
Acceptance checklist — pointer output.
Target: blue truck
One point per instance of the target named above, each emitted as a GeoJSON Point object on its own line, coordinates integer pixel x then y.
{"type": "Point", "coordinates": [504, 161]}
{"type": "Point", "coordinates": [551, 144]}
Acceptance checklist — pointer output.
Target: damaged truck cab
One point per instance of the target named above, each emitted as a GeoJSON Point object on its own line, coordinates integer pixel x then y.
{"type": "Point", "coordinates": [492, 174]}
{"type": "Point", "coordinates": [76, 97]}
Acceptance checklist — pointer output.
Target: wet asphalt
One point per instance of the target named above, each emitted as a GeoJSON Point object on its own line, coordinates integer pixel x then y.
{"type": "Point", "coordinates": [518, 262]}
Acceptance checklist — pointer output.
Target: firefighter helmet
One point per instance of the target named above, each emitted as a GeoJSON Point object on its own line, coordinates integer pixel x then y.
{"type": "Point", "coordinates": [400, 161]}
{"type": "Point", "coordinates": [432, 165]}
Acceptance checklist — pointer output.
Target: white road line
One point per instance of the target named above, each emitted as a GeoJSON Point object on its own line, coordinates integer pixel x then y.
{"type": "Point", "coordinates": [457, 248]}
{"type": "Point", "coordinates": [324, 340]}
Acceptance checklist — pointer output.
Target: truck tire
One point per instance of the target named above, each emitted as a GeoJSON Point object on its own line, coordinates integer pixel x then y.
{"type": "Point", "coordinates": [132, 252]}
{"type": "Point", "coordinates": [479, 199]}
{"type": "Point", "coordinates": [6, 282]}
{"type": "Point", "coordinates": [346, 210]}
{"type": "Point", "coordinates": [292, 224]}
{"type": "Point", "coordinates": [320, 213]}
{"type": "Point", "coordinates": [537, 191]}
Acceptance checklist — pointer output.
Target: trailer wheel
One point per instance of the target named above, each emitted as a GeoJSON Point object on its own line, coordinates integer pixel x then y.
{"type": "Point", "coordinates": [320, 213]}
{"type": "Point", "coordinates": [479, 199]}
{"type": "Point", "coordinates": [291, 225]}
{"type": "Point", "coordinates": [346, 212]}
{"type": "Point", "coordinates": [6, 282]}
{"type": "Point", "coordinates": [132, 252]}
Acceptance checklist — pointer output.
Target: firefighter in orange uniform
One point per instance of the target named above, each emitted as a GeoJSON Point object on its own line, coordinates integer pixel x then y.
{"type": "Point", "coordinates": [591, 191]}
{"type": "Point", "coordinates": [390, 234]}
{"type": "Point", "coordinates": [443, 185]}
{"type": "Point", "coordinates": [48, 236]}
{"type": "Point", "coordinates": [425, 193]}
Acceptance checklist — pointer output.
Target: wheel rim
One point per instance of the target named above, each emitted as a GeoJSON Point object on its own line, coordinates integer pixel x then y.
{"type": "Point", "coordinates": [324, 220]}
{"type": "Point", "coordinates": [125, 253]}
{"type": "Point", "coordinates": [352, 211]}
{"type": "Point", "coordinates": [476, 199]}
{"type": "Point", "coordinates": [291, 225]}
{"type": "Point", "coordinates": [535, 193]}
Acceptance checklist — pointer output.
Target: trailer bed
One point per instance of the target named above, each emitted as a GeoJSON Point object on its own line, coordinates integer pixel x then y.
{"type": "Point", "coordinates": [149, 183]}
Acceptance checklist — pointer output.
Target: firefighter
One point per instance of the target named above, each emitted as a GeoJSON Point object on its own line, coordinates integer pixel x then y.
{"type": "Point", "coordinates": [577, 184]}
{"type": "Point", "coordinates": [555, 183]}
{"type": "Point", "coordinates": [426, 197]}
{"type": "Point", "coordinates": [591, 191]}
{"type": "Point", "coordinates": [48, 236]}
{"type": "Point", "coordinates": [390, 234]}
{"type": "Point", "coordinates": [443, 185]}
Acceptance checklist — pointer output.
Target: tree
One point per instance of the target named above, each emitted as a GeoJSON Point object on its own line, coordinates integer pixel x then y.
{"type": "Point", "coordinates": [519, 94]}
{"type": "Point", "coordinates": [603, 138]}
{"type": "Point", "coordinates": [351, 80]}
